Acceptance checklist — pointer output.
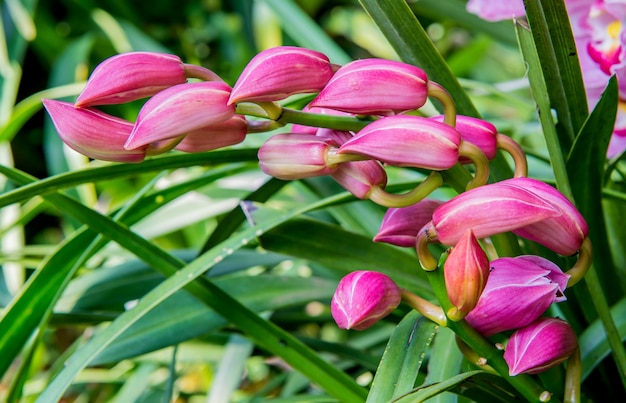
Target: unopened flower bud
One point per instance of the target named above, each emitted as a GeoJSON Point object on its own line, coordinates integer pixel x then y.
{"type": "Point", "coordinates": [478, 132]}
{"type": "Point", "coordinates": [400, 225]}
{"type": "Point", "coordinates": [279, 72]}
{"type": "Point", "coordinates": [93, 133]}
{"type": "Point", "coordinates": [375, 87]}
{"type": "Point", "coordinates": [563, 233]}
{"type": "Point", "coordinates": [227, 133]}
{"type": "Point", "coordinates": [295, 156]}
{"type": "Point", "coordinates": [489, 210]}
{"type": "Point", "coordinates": [179, 110]}
{"type": "Point", "coordinates": [130, 76]}
{"type": "Point", "coordinates": [543, 344]}
{"type": "Point", "coordinates": [405, 140]}
{"type": "Point", "coordinates": [363, 298]}
{"type": "Point", "coordinates": [359, 177]}
{"type": "Point", "coordinates": [518, 291]}
{"type": "Point", "coordinates": [466, 271]}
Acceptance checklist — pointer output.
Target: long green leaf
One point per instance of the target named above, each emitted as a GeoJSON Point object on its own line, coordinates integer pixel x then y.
{"type": "Point", "coordinates": [264, 333]}
{"type": "Point", "coordinates": [402, 359]}
{"type": "Point", "coordinates": [549, 24]}
{"type": "Point", "coordinates": [476, 385]}
{"type": "Point", "coordinates": [586, 164]}
{"type": "Point", "coordinates": [113, 171]}
{"type": "Point", "coordinates": [594, 344]}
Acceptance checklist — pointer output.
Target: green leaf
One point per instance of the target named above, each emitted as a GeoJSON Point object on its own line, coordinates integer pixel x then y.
{"type": "Point", "coordinates": [113, 171]}
{"type": "Point", "coordinates": [593, 342]}
{"type": "Point", "coordinates": [403, 357]}
{"type": "Point", "coordinates": [344, 251]}
{"type": "Point", "coordinates": [585, 165]}
{"type": "Point", "coordinates": [476, 385]}
{"type": "Point", "coordinates": [182, 317]}
{"type": "Point", "coordinates": [444, 362]}
{"type": "Point", "coordinates": [554, 41]}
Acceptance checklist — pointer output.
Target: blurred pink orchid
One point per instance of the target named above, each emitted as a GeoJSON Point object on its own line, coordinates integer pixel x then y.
{"type": "Point", "coordinates": [599, 31]}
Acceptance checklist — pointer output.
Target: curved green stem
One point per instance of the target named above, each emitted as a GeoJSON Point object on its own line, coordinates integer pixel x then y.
{"type": "Point", "coordinates": [472, 152]}
{"type": "Point", "coordinates": [424, 237]}
{"type": "Point", "coordinates": [426, 308]}
{"type": "Point", "coordinates": [380, 196]}
{"type": "Point", "coordinates": [437, 91]}
{"type": "Point", "coordinates": [515, 150]}
{"type": "Point", "coordinates": [581, 267]}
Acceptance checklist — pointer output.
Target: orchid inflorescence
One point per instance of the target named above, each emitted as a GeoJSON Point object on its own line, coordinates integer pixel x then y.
{"type": "Point", "coordinates": [365, 116]}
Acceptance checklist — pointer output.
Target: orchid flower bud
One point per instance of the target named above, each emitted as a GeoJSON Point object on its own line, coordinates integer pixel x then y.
{"type": "Point", "coordinates": [478, 132]}
{"type": "Point", "coordinates": [363, 298]}
{"type": "Point", "coordinates": [93, 133]}
{"type": "Point", "coordinates": [179, 110]}
{"type": "Point", "coordinates": [518, 291]}
{"type": "Point", "coordinates": [375, 87]}
{"type": "Point", "coordinates": [295, 156]}
{"type": "Point", "coordinates": [407, 141]}
{"type": "Point", "coordinates": [227, 133]}
{"type": "Point", "coordinates": [279, 72]}
{"type": "Point", "coordinates": [131, 76]}
{"type": "Point", "coordinates": [359, 177]}
{"type": "Point", "coordinates": [466, 271]}
{"type": "Point", "coordinates": [545, 343]}
{"type": "Point", "coordinates": [400, 225]}
{"type": "Point", "coordinates": [489, 210]}
{"type": "Point", "coordinates": [563, 233]}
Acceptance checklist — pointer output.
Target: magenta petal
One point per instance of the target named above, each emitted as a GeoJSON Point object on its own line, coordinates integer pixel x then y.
{"type": "Point", "coordinates": [400, 225]}
{"type": "Point", "coordinates": [375, 87]}
{"type": "Point", "coordinates": [130, 76]}
{"type": "Point", "coordinates": [363, 298]}
{"type": "Point", "coordinates": [489, 210]}
{"type": "Point", "coordinates": [518, 291]}
{"type": "Point", "coordinates": [478, 132]}
{"type": "Point", "coordinates": [543, 344]}
{"type": "Point", "coordinates": [407, 141]}
{"type": "Point", "coordinates": [295, 156]}
{"type": "Point", "coordinates": [359, 177]}
{"type": "Point", "coordinates": [179, 110]}
{"type": "Point", "coordinates": [563, 233]}
{"type": "Point", "coordinates": [279, 72]}
{"type": "Point", "coordinates": [93, 133]}
{"type": "Point", "coordinates": [230, 132]}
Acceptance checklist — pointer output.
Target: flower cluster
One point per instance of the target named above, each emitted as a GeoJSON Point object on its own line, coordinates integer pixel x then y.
{"type": "Point", "coordinates": [362, 117]}
{"type": "Point", "coordinates": [599, 28]}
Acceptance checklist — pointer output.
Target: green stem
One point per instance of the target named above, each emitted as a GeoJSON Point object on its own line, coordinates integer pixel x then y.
{"type": "Point", "coordinates": [426, 308]}
{"type": "Point", "coordinates": [573, 376]}
{"type": "Point", "coordinates": [380, 196]}
{"type": "Point", "coordinates": [515, 151]}
{"type": "Point", "coordinates": [581, 267]}
{"type": "Point", "coordinates": [474, 154]}
{"type": "Point", "coordinates": [344, 123]}
{"type": "Point", "coordinates": [437, 91]}
{"type": "Point", "coordinates": [488, 354]}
